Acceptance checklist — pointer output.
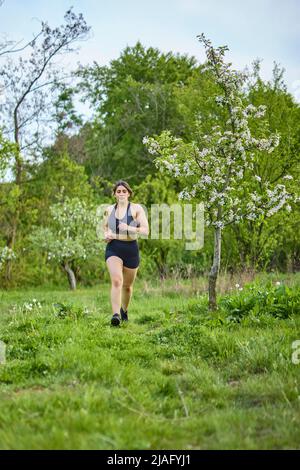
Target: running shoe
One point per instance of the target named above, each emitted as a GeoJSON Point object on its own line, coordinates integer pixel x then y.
{"type": "Point", "coordinates": [124, 315]}
{"type": "Point", "coordinates": [116, 320]}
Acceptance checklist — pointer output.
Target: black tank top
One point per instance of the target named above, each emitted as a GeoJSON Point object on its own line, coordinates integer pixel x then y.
{"type": "Point", "coordinates": [113, 221]}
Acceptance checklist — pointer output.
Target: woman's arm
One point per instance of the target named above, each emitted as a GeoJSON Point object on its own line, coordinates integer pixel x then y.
{"type": "Point", "coordinates": [108, 234]}
{"type": "Point", "coordinates": [143, 222]}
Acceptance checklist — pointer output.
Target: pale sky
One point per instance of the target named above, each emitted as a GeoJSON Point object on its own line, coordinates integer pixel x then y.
{"type": "Point", "coordinates": [266, 29]}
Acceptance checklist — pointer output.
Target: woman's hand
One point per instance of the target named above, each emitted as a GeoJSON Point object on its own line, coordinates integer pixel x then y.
{"type": "Point", "coordinates": [131, 228]}
{"type": "Point", "coordinates": [123, 226]}
{"type": "Point", "coordinates": [109, 236]}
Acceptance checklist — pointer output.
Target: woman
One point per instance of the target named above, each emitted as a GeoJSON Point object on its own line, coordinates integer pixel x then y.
{"type": "Point", "coordinates": [123, 221]}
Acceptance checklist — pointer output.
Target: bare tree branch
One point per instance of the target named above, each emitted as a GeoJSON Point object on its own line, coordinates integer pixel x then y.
{"type": "Point", "coordinates": [9, 51]}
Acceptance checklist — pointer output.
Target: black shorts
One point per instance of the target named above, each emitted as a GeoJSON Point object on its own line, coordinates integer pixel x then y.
{"type": "Point", "coordinates": [127, 251]}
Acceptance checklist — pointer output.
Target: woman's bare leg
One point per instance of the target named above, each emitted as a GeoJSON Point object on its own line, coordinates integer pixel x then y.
{"type": "Point", "coordinates": [128, 280]}
{"type": "Point", "coordinates": [115, 265]}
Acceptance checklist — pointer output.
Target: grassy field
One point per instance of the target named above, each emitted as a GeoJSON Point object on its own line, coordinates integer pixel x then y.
{"type": "Point", "coordinates": [172, 378]}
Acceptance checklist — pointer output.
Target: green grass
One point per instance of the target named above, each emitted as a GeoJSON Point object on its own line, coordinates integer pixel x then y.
{"type": "Point", "coordinates": [172, 378]}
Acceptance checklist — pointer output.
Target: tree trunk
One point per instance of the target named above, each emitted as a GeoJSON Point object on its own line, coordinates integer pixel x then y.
{"type": "Point", "coordinates": [11, 244]}
{"type": "Point", "coordinates": [18, 180]}
{"type": "Point", "coordinates": [213, 275]}
{"type": "Point", "coordinates": [161, 263]}
{"type": "Point", "coordinates": [71, 275]}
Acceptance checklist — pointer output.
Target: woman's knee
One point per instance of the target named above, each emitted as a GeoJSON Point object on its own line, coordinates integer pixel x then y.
{"type": "Point", "coordinates": [127, 288]}
{"type": "Point", "coordinates": [117, 281]}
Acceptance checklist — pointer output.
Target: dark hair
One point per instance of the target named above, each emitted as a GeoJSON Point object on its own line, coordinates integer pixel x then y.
{"type": "Point", "coordinates": [125, 184]}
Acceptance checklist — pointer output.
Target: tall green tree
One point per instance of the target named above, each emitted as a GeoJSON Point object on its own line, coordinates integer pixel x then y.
{"type": "Point", "coordinates": [133, 96]}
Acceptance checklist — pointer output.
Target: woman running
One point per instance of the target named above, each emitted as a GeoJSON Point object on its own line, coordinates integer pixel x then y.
{"type": "Point", "coordinates": [123, 221]}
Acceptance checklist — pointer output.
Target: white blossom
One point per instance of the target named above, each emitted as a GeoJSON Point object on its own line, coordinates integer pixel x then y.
{"type": "Point", "coordinates": [184, 194]}
{"type": "Point", "coordinates": [261, 110]}
{"type": "Point", "coordinates": [240, 173]}
{"type": "Point", "coordinates": [218, 224]}
{"type": "Point", "coordinates": [206, 179]}
{"type": "Point", "coordinates": [220, 100]}
{"type": "Point", "coordinates": [187, 169]}
{"type": "Point", "coordinates": [204, 152]}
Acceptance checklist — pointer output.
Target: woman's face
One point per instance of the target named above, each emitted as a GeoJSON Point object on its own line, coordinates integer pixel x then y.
{"type": "Point", "coordinates": [121, 194]}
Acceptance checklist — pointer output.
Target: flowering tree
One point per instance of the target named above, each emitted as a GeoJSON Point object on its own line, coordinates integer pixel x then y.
{"type": "Point", "coordinates": [73, 238]}
{"type": "Point", "coordinates": [220, 168]}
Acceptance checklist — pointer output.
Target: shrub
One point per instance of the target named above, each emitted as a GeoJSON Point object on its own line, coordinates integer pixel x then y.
{"type": "Point", "coordinates": [279, 302]}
